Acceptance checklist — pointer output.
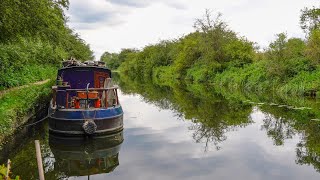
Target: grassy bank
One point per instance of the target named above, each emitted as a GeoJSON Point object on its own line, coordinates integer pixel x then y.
{"type": "Point", "coordinates": [254, 78]}
{"type": "Point", "coordinates": [17, 104]}
{"type": "Point", "coordinates": [28, 74]}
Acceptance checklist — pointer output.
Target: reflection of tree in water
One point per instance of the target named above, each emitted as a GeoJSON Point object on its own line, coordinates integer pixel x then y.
{"type": "Point", "coordinates": [308, 150]}
{"type": "Point", "coordinates": [213, 133]}
{"type": "Point", "coordinates": [206, 135]}
{"type": "Point", "coordinates": [278, 129]}
{"type": "Point", "coordinates": [282, 124]}
{"type": "Point", "coordinates": [212, 115]}
{"type": "Point", "coordinates": [307, 156]}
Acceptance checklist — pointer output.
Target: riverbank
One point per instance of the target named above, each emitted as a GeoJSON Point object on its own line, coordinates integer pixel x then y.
{"type": "Point", "coordinates": [296, 76]}
{"type": "Point", "coordinates": [216, 55]}
{"type": "Point", "coordinates": [19, 105]}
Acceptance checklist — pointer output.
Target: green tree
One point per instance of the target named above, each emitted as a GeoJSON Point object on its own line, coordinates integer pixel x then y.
{"type": "Point", "coordinates": [313, 47]}
{"type": "Point", "coordinates": [310, 19]}
{"type": "Point", "coordinates": [277, 48]}
{"type": "Point", "coordinates": [286, 57]}
{"type": "Point", "coordinates": [44, 18]}
{"type": "Point", "coordinates": [34, 34]}
{"type": "Point", "coordinates": [111, 60]}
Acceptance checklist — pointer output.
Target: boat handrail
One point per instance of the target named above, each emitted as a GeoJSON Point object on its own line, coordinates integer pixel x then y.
{"type": "Point", "coordinates": [93, 89]}
{"type": "Point", "coordinates": [68, 91]}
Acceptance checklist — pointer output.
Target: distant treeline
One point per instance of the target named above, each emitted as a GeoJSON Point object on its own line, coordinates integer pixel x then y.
{"type": "Point", "coordinates": [216, 55]}
{"type": "Point", "coordinates": [34, 38]}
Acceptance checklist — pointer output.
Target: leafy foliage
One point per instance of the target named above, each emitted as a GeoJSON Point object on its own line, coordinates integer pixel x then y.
{"type": "Point", "coordinates": [285, 57]}
{"type": "Point", "coordinates": [313, 47]}
{"type": "Point", "coordinates": [310, 19]}
{"type": "Point", "coordinates": [113, 60]}
{"type": "Point", "coordinates": [34, 33]}
{"type": "Point", "coordinates": [214, 54]}
{"type": "Point", "coordinates": [15, 104]}
{"type": "Point", "coordinates": [197, 56]}
{"type": "Point", "coordinates": [3, 173]}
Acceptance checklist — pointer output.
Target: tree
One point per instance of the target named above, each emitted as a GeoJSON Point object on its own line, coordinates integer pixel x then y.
{"type": "Point", "coordinates": [286, 57]}
{"type": "Point", "coordinates": [313, 47]}
{"type": "Point", "coordinates": [25, 18]}
{"type": "Point", "coordinates": [111, 59]}
{"type": "Point", "coordinates": [33, 33]}
{"type": "Point", "coordinates": [295, 47]}
{"type": "Point", "coordinates": [277, 48]}
{"type": "Point", "coordinates": [215, 34]}
{"type": "Point", "coordinates": [41, 19]}
{"type": "Point", "coordinates": [310, 19]}
{"type": "Point", "coordinates": [221, 45]}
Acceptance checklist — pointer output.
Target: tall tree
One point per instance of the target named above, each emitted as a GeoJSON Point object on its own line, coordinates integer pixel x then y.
{"type": "Point", "coordinates": [310, 19]}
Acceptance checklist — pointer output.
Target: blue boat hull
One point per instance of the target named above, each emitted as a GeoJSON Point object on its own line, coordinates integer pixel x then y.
{"type": "Point", "coordinates": [71, 121]}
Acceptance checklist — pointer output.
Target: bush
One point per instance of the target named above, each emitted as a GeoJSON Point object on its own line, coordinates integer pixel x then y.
{"type": "Point", "coordinates": [305, 83]}
{"type": "Point", "coordinates": [285, 58]}
{"type": "Point", "coordinates": [251, 77]}
{"type": "Point", "coordinates": [28, 61]}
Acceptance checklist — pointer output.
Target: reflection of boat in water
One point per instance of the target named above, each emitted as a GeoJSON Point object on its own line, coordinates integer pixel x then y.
{"type": "Point", "coordinates": [83, 157]}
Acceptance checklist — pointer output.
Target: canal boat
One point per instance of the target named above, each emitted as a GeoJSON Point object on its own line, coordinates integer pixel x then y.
{"type": "Point", "coordinates": [85, 101]}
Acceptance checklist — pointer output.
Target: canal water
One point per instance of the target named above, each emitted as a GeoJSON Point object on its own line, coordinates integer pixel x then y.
{"type": "Point", "coordinates": [181, 131]}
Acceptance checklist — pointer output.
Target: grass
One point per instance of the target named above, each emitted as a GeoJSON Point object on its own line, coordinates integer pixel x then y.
{"type": "Point", "coordinates": [28, 74]}
{"type": "Point", "coordinates": [305, 83]}
{"type": "Point", "coordinates": [18, 103]}
{"type": "Point", "coordinates": [253, 78]}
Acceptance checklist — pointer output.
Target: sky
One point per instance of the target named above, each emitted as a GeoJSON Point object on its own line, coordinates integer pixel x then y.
{"type": "Point", "coordinates": [111, 25]}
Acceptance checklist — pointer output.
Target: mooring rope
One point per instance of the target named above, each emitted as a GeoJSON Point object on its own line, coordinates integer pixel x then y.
{"type": "Point", "coordinates": [31, 124]}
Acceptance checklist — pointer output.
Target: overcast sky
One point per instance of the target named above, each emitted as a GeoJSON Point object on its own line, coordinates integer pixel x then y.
{"type": "Point", "coordinates": [110, 25]}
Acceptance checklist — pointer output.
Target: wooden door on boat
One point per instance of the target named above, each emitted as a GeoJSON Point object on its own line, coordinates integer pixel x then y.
{"type": "Point", "coordinates": [99, 78]}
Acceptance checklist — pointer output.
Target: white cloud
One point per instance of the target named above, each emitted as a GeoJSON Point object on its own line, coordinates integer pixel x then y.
{"type": "Point", "coordinates": [112, 25]}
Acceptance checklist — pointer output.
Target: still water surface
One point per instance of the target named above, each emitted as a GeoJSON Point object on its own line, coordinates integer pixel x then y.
{"type": "Point", "coordinates": [184, 132]}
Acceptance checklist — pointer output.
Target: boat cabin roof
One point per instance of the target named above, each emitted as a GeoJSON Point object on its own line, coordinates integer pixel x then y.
{"type": "Point", "coordinates": [77, 77]}
{"type": "Point", "coordinates": [84, 68]}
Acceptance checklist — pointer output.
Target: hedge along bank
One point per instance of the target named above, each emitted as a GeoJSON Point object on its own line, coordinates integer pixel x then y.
{"type": "Point", "coordinates": [17, 106]}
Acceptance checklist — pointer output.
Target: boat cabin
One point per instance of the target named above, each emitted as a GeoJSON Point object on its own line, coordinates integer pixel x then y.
{"type": "Point", "coordinates": [84, 86]}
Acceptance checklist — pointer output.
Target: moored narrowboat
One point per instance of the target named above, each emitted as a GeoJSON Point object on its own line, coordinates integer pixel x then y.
{"type": "Point", "coordinates": [85, 101]}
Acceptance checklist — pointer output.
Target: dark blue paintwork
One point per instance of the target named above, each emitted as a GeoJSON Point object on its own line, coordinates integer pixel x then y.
{"type": "Point", "coordinates": [79, 76]}
{"type": "Point", "coordinates": [82, 114]}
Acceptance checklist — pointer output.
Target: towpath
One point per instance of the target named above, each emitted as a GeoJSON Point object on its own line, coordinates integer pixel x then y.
{"type": "Point", "coordinates": [3, 92]}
